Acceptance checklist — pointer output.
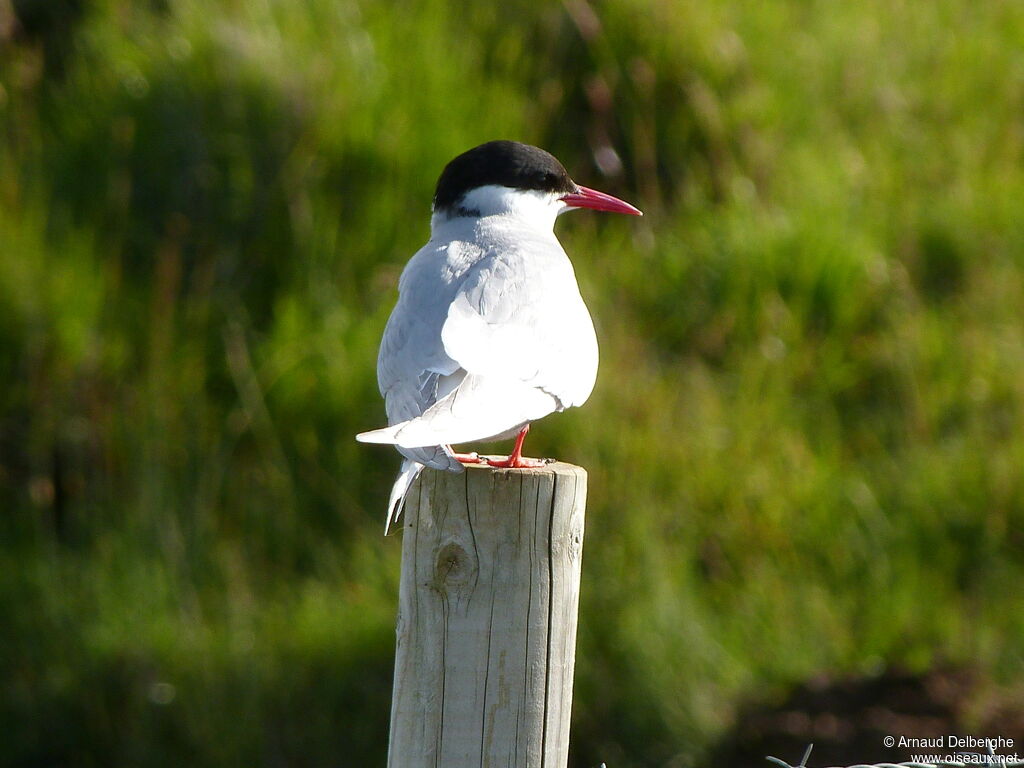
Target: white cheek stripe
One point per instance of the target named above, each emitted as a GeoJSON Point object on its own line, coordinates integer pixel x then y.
{"type": "Point", "coordinates": [538, 208]}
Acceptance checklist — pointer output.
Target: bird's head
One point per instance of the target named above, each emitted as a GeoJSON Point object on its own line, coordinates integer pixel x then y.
{"type": "Point", "coordinates": [506, 177]}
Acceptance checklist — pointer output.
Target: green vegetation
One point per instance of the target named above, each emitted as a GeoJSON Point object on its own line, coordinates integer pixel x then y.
{"type": "Point", "coordinates": [806, 445]}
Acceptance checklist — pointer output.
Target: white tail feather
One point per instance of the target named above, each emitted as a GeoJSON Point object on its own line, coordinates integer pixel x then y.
{"type": "Point", "coordinates": [404, 481]}
{"type": "Point", "coordinates": [382, 435]}
{"type": "Point", "coordinates": [480, 408]}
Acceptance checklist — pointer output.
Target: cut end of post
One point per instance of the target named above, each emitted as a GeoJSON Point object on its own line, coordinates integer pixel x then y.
{"type": "Point", "coordinates": [549, 466]}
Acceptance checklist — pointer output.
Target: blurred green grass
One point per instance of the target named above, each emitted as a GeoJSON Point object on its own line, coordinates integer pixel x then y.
{"type": "Point", "coordinates": [805, 446]}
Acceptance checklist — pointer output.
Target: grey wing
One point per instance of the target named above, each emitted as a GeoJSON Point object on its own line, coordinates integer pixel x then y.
{"type": "Point", "coordinates": [471, 354]}
{"type": "Point", "coordinates": [413, 369]}
{"type": "Point", "coordinates": [524, 343]}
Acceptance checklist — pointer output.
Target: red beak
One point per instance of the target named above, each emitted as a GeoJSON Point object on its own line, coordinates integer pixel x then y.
{"type": "Point", "coordinates": [585, 197]}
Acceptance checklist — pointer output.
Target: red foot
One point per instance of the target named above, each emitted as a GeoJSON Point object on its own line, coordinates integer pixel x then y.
{"type": "Point", "coordinates": [516, 460]}
{"type": "Point", "coordinates": [521, 462]}
{"type": "Point", "coordinates": [469, 458]}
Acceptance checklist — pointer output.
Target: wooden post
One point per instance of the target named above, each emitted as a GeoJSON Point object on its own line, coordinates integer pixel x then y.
{"type": "Point", "coordinates": [487, 618]}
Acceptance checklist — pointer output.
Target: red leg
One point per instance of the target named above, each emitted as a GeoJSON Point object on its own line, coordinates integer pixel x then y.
{"type": "Point", "coordinates": [516, 459]}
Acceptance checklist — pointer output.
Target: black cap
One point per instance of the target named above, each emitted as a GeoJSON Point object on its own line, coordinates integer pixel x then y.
{"type": "Point", "coordinates": [506, 163]}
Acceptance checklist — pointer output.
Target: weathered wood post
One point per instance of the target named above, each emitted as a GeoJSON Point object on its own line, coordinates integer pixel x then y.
{"type": "Point", "coordinates": [487, 618]}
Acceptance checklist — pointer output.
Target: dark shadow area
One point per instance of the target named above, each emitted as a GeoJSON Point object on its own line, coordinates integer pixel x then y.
{"type": "Point", "coordinates": [848, 720]}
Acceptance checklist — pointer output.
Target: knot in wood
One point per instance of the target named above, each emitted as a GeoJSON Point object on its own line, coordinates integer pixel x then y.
{"type": "Point", "coordinates": [575, 542]}
{"type": "Point", "coordinates": [455, 567]}
{"type": "Point", "coordinates": [569, 543]}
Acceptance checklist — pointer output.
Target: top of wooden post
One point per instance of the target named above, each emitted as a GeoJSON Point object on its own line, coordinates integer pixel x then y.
{"type": "Point", "coordinates": [553, 467]}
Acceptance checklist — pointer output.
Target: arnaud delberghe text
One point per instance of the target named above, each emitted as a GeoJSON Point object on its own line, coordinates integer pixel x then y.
{"type": "Point", "coordinates": [953, 741]}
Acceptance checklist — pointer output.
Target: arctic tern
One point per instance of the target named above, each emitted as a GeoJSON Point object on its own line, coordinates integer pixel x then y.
{"type": "Point", "coordinates": [490, 332]}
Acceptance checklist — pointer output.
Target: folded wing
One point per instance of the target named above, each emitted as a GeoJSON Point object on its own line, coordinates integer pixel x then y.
{"type": "Point", "coordinates": [506, 341]}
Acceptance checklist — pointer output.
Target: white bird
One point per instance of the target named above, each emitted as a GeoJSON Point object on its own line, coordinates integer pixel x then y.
{"type": "Point", "coordinates": [490, 332]}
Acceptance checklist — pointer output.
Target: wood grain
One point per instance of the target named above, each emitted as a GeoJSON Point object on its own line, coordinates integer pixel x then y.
{"type": "Point", "coordinates": [486, 633]}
